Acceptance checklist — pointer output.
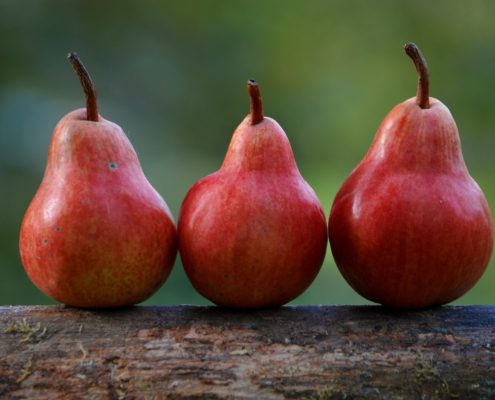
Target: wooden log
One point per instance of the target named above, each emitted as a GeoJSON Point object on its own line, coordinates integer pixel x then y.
{"type": "Point", "coordinates": [320, 352]}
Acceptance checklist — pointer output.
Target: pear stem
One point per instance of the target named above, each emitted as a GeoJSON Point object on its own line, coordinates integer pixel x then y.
{"type": "Point", "coordinates": [256, 104]}
{"type": "Point", "coordinates": [423, 95]}
{"type": "Point", "coordinates": [87, 85]}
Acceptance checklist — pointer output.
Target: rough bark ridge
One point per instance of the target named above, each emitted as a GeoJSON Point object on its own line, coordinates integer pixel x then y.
{"type": "Point", "coordinates": [331, 352]}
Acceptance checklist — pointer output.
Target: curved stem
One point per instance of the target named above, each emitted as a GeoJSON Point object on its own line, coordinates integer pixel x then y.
{"type": "Point", "coordinates": [422, 96]}
{"type": "Point", "coordinates": [87, 85]}
{"type": "Point", "coordinates": [256, 104]}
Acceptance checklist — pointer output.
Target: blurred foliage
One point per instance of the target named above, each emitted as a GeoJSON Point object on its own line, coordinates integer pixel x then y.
{"type": "Point", "coordinates": [173, 74]}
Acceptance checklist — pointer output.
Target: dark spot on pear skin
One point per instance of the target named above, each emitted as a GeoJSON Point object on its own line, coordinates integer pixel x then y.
{"type": "Point", "coordinates": [45, 241]}
{"type": "Point", "coordinates": [57, 229]}
{"type": "Point", "coordinates": [113, 166]}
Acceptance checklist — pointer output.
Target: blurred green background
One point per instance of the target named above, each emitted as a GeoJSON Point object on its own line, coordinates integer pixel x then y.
{"type": "Point", "coordinates": [173, 75]}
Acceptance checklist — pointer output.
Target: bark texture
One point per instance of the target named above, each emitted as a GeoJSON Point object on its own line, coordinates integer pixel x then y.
{"type": "Point", "coordinates": [325, 352]}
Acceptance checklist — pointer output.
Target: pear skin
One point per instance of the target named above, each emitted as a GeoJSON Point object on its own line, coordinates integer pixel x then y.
{"type": "Point", "coordinates": [96, 234]}
{"type": "Point", "coordinates": [253, 234]}
{"type": "Point", "coordinates": [410, 228]}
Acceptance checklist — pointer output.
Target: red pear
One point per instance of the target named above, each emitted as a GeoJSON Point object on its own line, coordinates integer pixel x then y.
{"type": "Point", "coordinates": [96, 233]}
{"type": "Point", "coordinates": [253, 234]}
{"type": "Point", "coordinates": [410, 228]}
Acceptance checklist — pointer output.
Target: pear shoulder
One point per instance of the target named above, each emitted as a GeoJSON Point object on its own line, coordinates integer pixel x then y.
{"type": "Point", "coordinates": [418, 139]}
{"type": "Point", "coordinates": [79, 117]}
{"type": "Point", "coordinates": [260, 147]}
{"type": "Point", "coordinates": [76, 138]}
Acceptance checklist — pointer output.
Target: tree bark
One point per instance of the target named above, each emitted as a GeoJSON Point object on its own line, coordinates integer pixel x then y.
{"type": "Point", "coordinates": [320, 352]}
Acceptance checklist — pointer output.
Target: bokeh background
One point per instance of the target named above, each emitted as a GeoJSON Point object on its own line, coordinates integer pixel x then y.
{"type": "Point", "coordinates": [173, 75]}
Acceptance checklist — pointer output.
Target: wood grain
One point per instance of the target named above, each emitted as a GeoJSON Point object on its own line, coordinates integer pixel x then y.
{"type": "Point", "coordinates": [325, 352]}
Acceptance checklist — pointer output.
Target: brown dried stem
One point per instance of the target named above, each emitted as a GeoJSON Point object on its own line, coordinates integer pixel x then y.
{"type": "Point", "coordinates": [87, 85]}
{"type": "Point", "coordinates": [256, 103]}
{"type": "Point", "coordinates": [422, 96]}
